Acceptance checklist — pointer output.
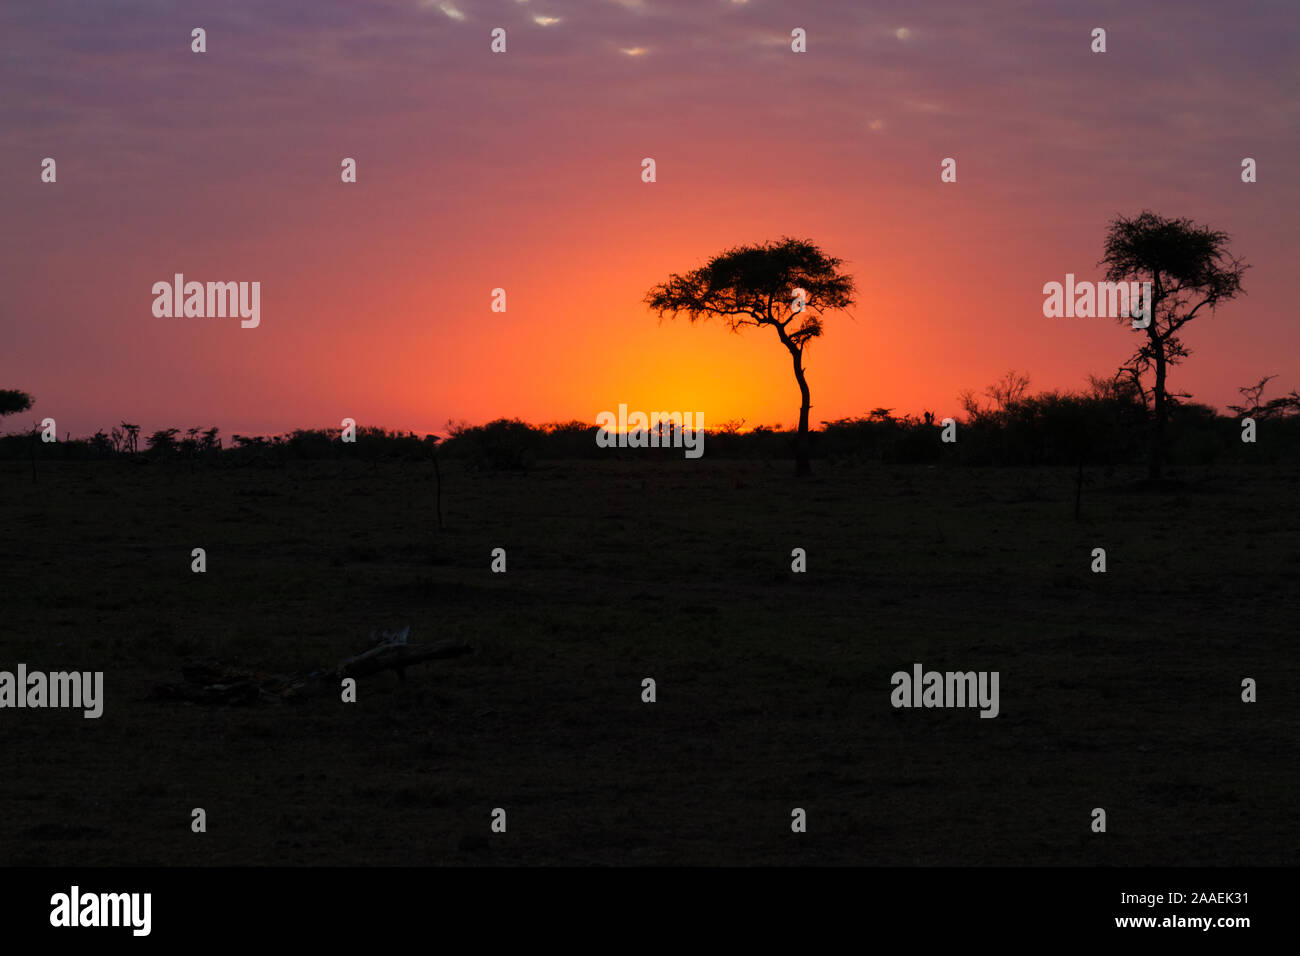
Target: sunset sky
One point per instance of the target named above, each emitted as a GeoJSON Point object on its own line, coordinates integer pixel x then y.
{"type": "Point", "coordinates": [523, 171]}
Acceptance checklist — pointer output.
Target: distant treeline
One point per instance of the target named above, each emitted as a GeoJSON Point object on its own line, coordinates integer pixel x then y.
{"type": "Point", "coordinates": [1105, 425]}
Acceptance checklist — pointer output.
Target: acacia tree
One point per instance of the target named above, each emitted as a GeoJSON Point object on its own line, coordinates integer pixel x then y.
{"type": "Point", "coordinates": [132, 435]}
{"type": "Point", "coordinates": [1258, 408]}
{"type": "Point", "coordinates": [787, 285]}
{"type": "Point", "coordinates": [12, 402]}
{"type": "Point", "coordinates": [1189, 268]}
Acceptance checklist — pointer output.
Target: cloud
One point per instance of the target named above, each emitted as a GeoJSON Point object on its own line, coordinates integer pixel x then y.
{"type": "Point", "coordinates": [448, 8]}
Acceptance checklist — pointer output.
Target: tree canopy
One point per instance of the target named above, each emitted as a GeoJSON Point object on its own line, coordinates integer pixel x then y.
{"type": "Point", "coordinates": [755, 285]}
{"type": "Point", "coordinates": [12, 401]}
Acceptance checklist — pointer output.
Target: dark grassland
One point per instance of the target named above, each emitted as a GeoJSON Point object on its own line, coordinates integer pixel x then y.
{"type": "Point", "coordinates": [1119, 691]}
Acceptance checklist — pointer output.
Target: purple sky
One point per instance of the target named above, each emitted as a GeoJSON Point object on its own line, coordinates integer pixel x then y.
{"type": "Point", "coordinates": [521, 171]}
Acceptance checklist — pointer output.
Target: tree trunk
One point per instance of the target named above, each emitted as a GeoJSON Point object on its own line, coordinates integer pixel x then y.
{"type": "Point", "coordinates": [437, 473]}
{"type": "Point", "coordinates": [1156, 452]}
{"type": "Point", "coordinates": [1078, 489]}
{"type": "Point", "coordinates": [1161, 413]}
{"type": "Point", "coordinates": [802, 464]}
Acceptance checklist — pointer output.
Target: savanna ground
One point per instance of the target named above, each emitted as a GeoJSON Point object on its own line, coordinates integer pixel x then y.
{"type": "Point", "coordinates": [1118, 690]}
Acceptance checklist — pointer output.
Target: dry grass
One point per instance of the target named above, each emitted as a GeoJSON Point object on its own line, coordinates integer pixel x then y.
{"type": "Point", "coordinates": [1118, 690]}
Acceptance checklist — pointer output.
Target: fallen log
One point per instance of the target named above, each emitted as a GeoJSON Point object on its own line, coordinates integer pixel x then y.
{"type": "Point", "coordinates": [211, 682]}
{"type": "Point", "coordinates": [240, 692]}
{"type": "Point", "coordinates": [398, 657]}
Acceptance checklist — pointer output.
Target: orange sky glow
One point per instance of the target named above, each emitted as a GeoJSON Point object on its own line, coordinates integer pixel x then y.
{"type": "Point", "coordinates": [522, 171]}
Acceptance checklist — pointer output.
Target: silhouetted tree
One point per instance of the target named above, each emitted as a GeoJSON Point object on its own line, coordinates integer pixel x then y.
{"type": "Point", "coordinates": [163, 441]}
{"type": "Point", "coordinates": [13, 401]}
{"type": "Point", "coordinates": [787, 285]}
{"type": "Point", "coordinates": [101, 444]}
{"type": "Point", "coordinates": [1258, 408]}
{"type": "Point", "coordinates": [34, 438]}
{"type": "Point", "coordinates": [1189, 268]}
{"type": "Point", "coordinates": [130, 442]}
{"type": "Point", "coordinates": [1009, 390]}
